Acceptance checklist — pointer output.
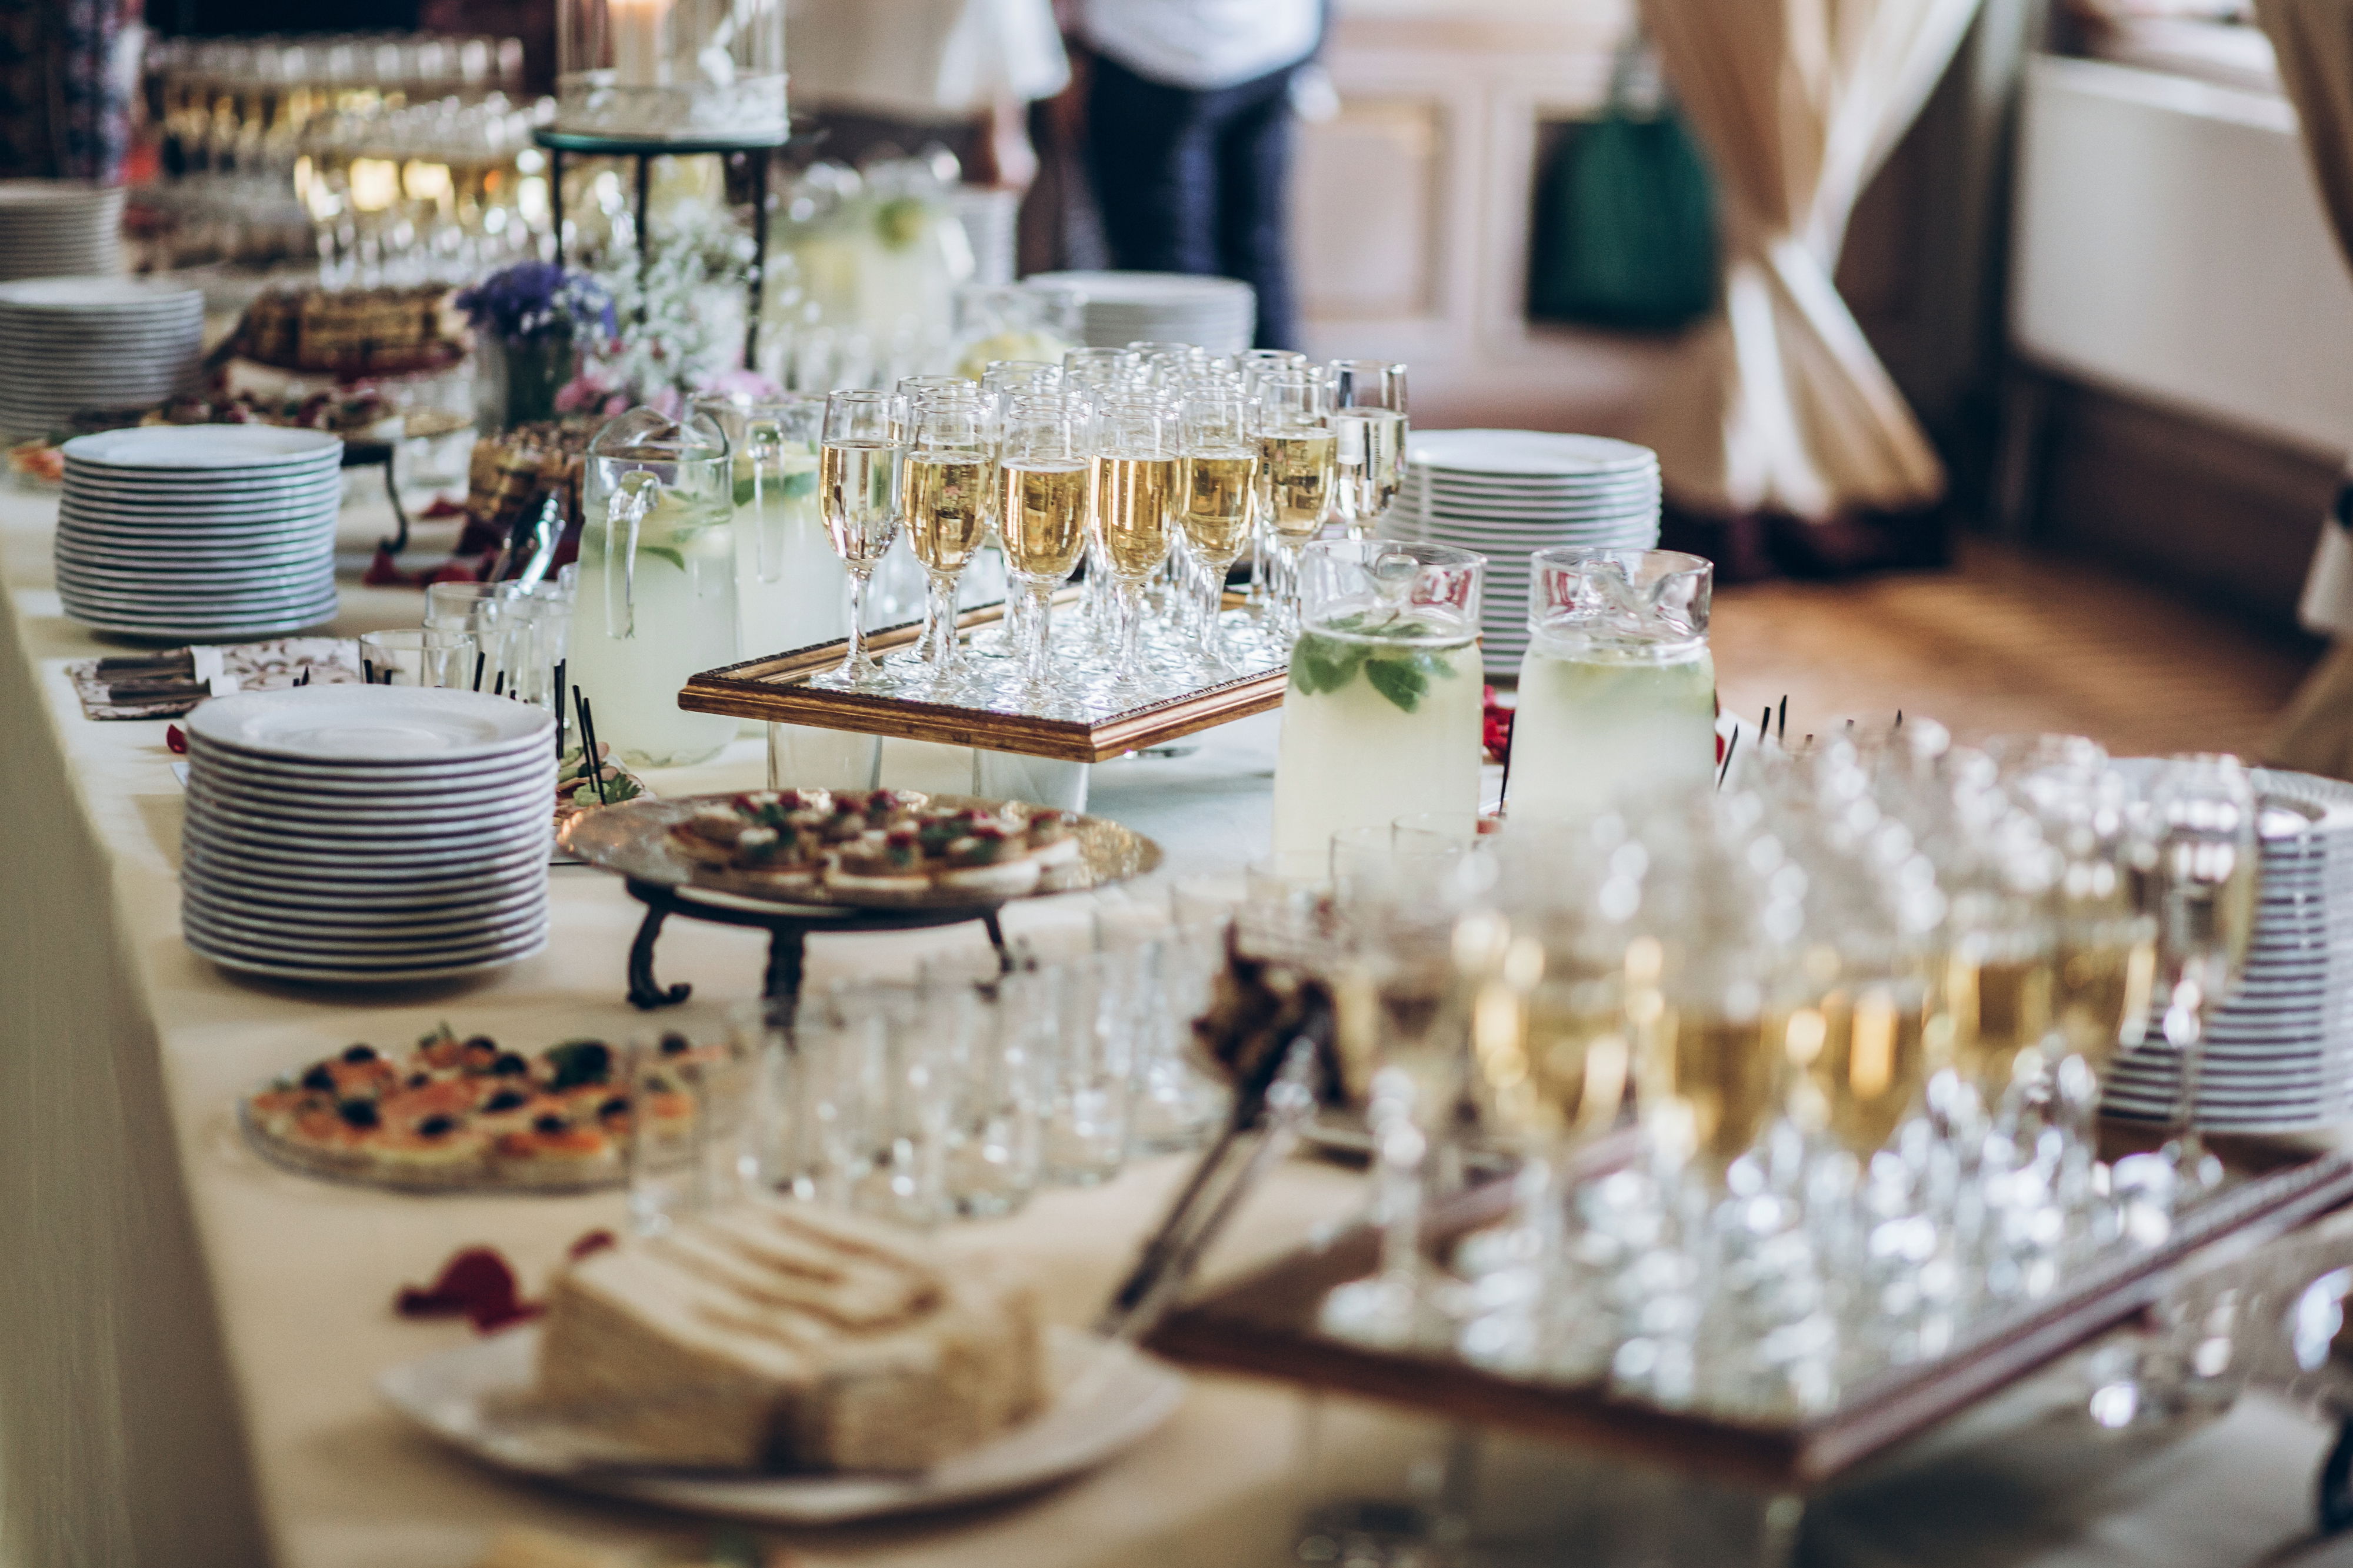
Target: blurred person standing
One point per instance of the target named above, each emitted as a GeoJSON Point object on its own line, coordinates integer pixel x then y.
{"type": "Point", "coordinates": [1188, 138]}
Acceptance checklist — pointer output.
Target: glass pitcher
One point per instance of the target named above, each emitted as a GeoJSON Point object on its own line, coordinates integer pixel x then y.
{"type": "Point", "coordinates": [1382, 714]}
{"type": "Point", "coordinates": [790, 589]}
{"type": "Point", "coordinates": [1618, 688]}
{"type": "Point", "coordinates": [657, 599]}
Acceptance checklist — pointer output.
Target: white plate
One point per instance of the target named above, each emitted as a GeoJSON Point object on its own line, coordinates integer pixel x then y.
{"type": "Point", "coordinates": [371, 829]}
{"type": "Point", "coordinates": [1111, 1399]}
{"type": "Point", "coordinates": [381, 860]}
{"type": "Point", "coordinates": [305, 799]}
{"type": "Point", "coordinates": [264, 878]}
{"type": "Point", "coordinates": [371, 723]}
{"type": "Point", "coordinates": [341, 920]}
{"type": "Point", "coordinates": [1524, 452]}
{"type": "Point", "coordinates": [297, 939]}
{"type": "Point", "coordinates": [97, 293]}
{"type": "Point", "coordinates": [195, 582]}
{"type": "Point", "coordinates": [231, 958]}
{"type": "Point", "coordinates": [185, 447]}
{"type": "Point", "coordinates": [188, 629]}
{"type": "Point", "coordinates": [158, 608]}
{"type": "Point", "coordinates": [472, 774]}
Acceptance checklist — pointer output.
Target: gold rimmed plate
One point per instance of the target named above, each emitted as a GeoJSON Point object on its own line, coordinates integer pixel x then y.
{"type": "Point", "coordinates": [633, 839]}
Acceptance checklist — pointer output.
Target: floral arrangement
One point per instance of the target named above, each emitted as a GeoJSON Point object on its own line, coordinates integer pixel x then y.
{"type": "Point", "coordinates": [534, 301]}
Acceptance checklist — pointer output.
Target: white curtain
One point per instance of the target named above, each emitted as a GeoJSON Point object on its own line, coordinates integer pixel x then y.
{"type": "Point", "coordinates": [1782, 406]}
{"type": "Point", "coordinates": [2314, 42]}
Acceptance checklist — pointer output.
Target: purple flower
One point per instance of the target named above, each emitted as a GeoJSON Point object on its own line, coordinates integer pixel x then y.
{"type": "Point", "coordinates": [535, 300]}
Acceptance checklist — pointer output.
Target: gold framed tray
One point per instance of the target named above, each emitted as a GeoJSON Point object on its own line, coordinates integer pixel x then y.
{"type": "Point", "coordinates": [778, 689]}
{"type": "Point", "coordinates": [1267, 1324]}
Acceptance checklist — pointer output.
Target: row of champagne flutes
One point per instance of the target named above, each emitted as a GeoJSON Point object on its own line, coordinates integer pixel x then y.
{"type": "Point", "coordinates": [956, 1094]}
{"type": "Point", "coordinates": [1801, 1076]}
{"type": "Point", "coordinates": [1157, 466]}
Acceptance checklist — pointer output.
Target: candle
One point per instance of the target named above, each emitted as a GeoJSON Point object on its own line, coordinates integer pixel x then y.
{"type": "Point", "coordinates": [637, 28]}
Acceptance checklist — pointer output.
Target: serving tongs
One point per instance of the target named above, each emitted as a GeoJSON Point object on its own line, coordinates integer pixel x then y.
{"type": "Point", "coordinates": [1271, 1032]}
{"type": "Point", "coordinates": [531, 545]}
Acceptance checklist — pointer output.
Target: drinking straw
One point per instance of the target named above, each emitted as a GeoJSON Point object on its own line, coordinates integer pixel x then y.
{"type": "Point", "coordinates": [1785, 717]}
{"type": "Point", "coordinates": [1764, 725]}
{"type": "Point", "coordinates": [558, 689]}
{"type": "Point", "coordinates": [480, 660]}
{"type": "Point", "coordinates": [596, 753]}
{"type": "Point", "coordinates": [498, 687]}
{"type": "Point", "coordinates": [1731, 746]}
{"type": "Point", "coordinates": [367, 668]}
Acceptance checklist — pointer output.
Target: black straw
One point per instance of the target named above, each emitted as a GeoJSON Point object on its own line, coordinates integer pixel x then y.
{"type": "Point", "coordinates": [588, 757]}
{"type": "Point", "coordinates": [1784, 727]}
{"type": "Point", "coordinates": [559, 713]}
{"type": "Point", "coordinates": [367, 668]}
{"type": "Point", "coordinates": [1764, 725]}
{"type": "Point", "coordinates": [596, 751]}
{"type": "Point", "coordinates": [498, 687]}
{"type": "Point", "coordinates": [480, 660]}
{"type": "Point", "coordinates": [1731, 746]}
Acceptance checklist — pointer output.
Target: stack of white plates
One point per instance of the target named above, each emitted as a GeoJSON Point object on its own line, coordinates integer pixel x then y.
{"type": "Point", "coordinates": [68, 346]}
{"type": "Point", "coordinates": [58, 228]}
{"type": "Point", "coordinates": [200, 533]}
{"type": "Point", "coordinates": [1508, 493]}
{"type": "Point", "coordinates": [367, 833]}
{"type": "Point", "coordinates": [1123, 308]}
{"type": "Point", "coordinates": [2279, 1053]}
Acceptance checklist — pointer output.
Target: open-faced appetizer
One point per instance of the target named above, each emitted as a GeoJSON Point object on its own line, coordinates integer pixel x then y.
{"type": "Point", "coordinates": [879, 844]}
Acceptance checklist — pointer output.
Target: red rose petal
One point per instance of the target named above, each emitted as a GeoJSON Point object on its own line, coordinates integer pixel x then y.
{"type": "Point", "coordinates": [175, 740]}
{"type": "Point", "coordinates": [477, 1284]}
{"type": "Point", "coordinates": [591, 1242]}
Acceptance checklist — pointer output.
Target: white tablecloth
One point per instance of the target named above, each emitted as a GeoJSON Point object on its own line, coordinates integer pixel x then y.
{"type": "Point", "coordinates": [188, 1338]}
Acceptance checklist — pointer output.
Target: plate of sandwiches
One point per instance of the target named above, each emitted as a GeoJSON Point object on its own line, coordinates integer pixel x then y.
{"type": "Point", "coordinates": [860, 848]}
{"type": "Point", "coordinates": [782, 1363]}
{"type": "Point", "coordinates": [468, 1115]}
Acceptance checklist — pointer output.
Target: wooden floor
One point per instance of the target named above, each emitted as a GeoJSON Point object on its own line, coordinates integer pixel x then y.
{"type": "Point", "coordinates": [2008, 641]}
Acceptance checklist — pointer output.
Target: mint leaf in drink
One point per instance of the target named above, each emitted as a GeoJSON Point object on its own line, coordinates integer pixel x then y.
{"type": "Point", "coordinates": [1323, 664]}
{"type": "Point", "coordinates": [1398, 681]}
{"type": "Point", "coordinates": [675, 557]}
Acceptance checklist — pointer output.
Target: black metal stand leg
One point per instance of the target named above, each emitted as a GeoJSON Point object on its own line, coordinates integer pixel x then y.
{"type": "Point", "coordinates": [2336, 1488]}
{"type": "Point", "coordinates": [644, 992]}
{"type": "Point", "coordinates": [398, 541]}
{"type": "Point", "coordinates": [787, 953]}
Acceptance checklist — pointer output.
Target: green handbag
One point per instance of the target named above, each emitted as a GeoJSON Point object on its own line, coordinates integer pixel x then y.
{"type": "Point", "coordinates": [1625, 230]}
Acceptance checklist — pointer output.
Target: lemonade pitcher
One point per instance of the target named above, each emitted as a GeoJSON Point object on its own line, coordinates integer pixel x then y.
{"type": "Point", "coordinates": [791, 590]}
{"type": "Point", "coordinates": [1618, 688]}
{"type": "Point", "coordinates": [1381, 717]}
{"type": "Point", "coordinates": [657, 600]}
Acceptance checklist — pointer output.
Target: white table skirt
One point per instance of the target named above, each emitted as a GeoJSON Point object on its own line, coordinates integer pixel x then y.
{"type": "Point", "coordinates": [188, 1338]}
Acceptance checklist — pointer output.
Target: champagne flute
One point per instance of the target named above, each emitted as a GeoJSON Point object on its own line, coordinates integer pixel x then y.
{"type": "Point", "coordinates": [1042, 475]}
{"type": "Point", "coordinates": [947, 489]}
{"type": "Point", "coordinates": [859, 484]}
{"type": "Point", "coordinates": [1292, 422]}
{"type": "Point", "coordinates": [1368, 427]}
{"type": "Point", "coordinates": [2202, 819]}
{"type": "Point", "coordinates": [1133, 494]}
{"type": "Point", "coordinates": [1217, 491]}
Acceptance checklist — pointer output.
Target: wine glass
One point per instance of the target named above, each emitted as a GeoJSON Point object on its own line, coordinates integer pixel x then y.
{"type": "Point", "coordinates": [1097, 371]}
{"type": "Point", "coordinates": [1131, 505]}
{"type": "Point", "coordinates": [1217, 492]}
{"type": "Point", "coordinates": [1292, 419]}
{"type": "Point", "coordinates": [858, 486]}
{"type": "Point", "coordinates": [1042, 473]}
{"type": "Point", "coordinates": [1368, 427]}
{"type": "Point", "coordinates": [947, 488]}
{"type": "Point", "coordinates": [2203, 881]}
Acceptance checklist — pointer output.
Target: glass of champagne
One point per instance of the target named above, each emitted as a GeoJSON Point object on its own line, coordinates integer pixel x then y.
{"type": "Point", "coordinates": [1132, 498]}
{"type": "Point", "coordinates": [947, 488]}
{"type": "Point", "coordinates": [1292, 419]}
{"type": "Point", "coordinates": [2202, 824]}
{"type": "Point", "coordinates": [1098, 371]}
{"type": "Point", "coordinates": [1369, 429]}
{"type": "Point", "coordinates": [859, 487]}
{"type": "Point", "coordinates": [1618, 688]}
{"type": "Point", "coordinates": [1382, 712]}
{"type": "Point", "coordinates": [1218, 494]}
{"type": "Point", "coordinates": [1042, 474]}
